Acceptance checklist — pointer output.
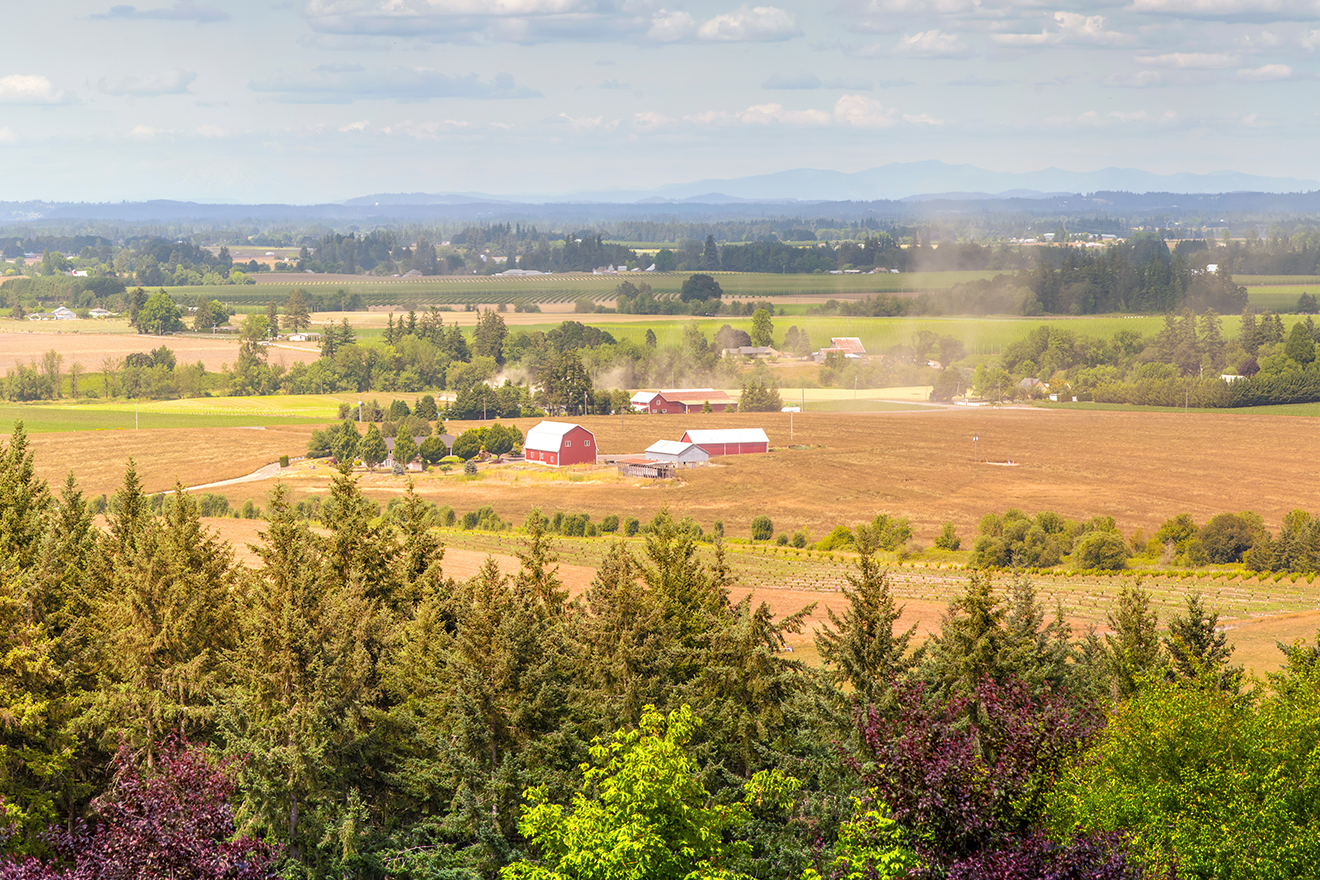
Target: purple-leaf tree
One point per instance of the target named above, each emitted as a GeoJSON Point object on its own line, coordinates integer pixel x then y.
{"type": "Point", "coordinates": [970, 773]}
{"type": "Point", "coordinates": [173, 820]}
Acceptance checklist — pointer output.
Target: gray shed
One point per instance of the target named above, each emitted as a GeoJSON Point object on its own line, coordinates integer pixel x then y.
{"type": "Point", "coordinates": [680, 453]}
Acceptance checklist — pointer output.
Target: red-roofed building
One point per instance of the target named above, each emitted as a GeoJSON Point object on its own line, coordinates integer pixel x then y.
{"type": "Point", "coordinates": [682, 400]}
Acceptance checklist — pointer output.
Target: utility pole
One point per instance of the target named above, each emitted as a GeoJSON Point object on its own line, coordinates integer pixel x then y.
{"type": "Point", "coordinates": [974, 456]}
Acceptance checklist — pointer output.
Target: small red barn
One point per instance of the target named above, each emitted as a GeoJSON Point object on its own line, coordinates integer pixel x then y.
{"type": "Point", "coordinates": [560, 443]}
{"type": "Point", "coordinates": [729, 441]}
{"type": "Point", "coordinates": [682, 400]}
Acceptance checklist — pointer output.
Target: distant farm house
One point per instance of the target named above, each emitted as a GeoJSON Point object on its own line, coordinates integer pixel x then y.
{"type": "Point", "coordinates": [682, 400]}
{"type": "Point", "coordinates": [849, 347]}
{"type": "Point", "coordinates": [414, 465]}
{"type": "Point", "coordinates": [729, 441]}
{"type": "Point", "coordinates": [751, 351]}
{"type": "Point", "coordinates": [560, 443]}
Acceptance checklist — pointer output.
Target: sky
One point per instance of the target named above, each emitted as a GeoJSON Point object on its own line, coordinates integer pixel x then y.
{"type": "Point", "coordinates": [312, 101]}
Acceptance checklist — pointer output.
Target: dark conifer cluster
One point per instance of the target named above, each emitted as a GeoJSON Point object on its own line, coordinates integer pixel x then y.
{"type": "Point", "coordinates": [343, 708]}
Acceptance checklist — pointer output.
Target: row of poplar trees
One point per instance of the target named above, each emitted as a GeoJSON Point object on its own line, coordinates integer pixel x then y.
{"type": "Point", "coordinates": [388, 720]}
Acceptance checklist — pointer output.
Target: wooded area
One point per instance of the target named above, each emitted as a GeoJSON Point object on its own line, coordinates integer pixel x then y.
{"type": "Point", "coordinates": [367, 716]}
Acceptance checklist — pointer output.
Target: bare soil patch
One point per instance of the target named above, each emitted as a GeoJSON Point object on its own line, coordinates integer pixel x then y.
{"type": "Point", "coordinates": [91, 349]}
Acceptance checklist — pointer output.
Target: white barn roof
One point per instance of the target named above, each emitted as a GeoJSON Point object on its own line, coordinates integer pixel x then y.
{"type": "Point", "coordinates": [547, 435]}
{"type": "Point", "coordinates": [728, 435]}
{"type": "Point", "coordinates": [643, 398]}
{"type": "Point", "coordinates": [670, 447]}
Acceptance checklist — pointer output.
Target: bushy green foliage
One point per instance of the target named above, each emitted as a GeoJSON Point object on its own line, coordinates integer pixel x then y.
{"type": "Point", "coordinates": [762, 528]}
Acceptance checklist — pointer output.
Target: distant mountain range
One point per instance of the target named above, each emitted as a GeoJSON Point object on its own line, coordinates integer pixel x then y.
{"type": "Point", "coordinates": [903, 190]}
{"type": "Point", "coordinates": [919, 181]}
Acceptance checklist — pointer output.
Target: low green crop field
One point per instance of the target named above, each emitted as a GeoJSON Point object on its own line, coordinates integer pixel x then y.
{"type": "Point", "coordinates": [1276, 280]}
{"type": "Point", "coordinates": [195, 412]}
{"type": "Point", "coordinates": [462, 289]}
{"type": "Point", "coordinates": [1280, 297]}
{"type": "Point", "coordinates": [980, 335]}
{"type": "Point", "coordinates": [1286, 409]}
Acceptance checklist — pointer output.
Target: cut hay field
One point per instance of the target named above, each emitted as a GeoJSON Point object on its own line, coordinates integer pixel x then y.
{"type": "Point", "coordinates": [1141, 468]}
{"type": "Point", "coordinates": [115, 340]}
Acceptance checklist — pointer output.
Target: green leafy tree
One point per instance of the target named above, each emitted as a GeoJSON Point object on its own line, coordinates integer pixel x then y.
{"type": "Point", "coordinates": [159, 315]}
{"type": "Point", "coordinates": [763, 328]}
{"type": "Point", "coordinates": [433, 449]}
{"type": "Point", "coordinates": [763, 529]}
{"type": "Point", "coordinates": [700, 288]}
{"type": "Point", "coordinates": [405, 449]}
{"type": "Point", "coordinates": [758, 396]}
{"type": "Point", "coordinates": [1300, 347]}
{"type": "Point", "coordinates": [372, 448]}
{"type": "Point", "coordinates": [296, 312]}
{"type": "Point", "coordinates": [488, 336]}
{"type": "Point", "coordinates": [642, 814]}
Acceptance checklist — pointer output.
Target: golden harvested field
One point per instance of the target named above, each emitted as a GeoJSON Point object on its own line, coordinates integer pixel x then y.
{"type": "Point", "coordinates": [91, 348]}
{"type": "Point", "coordinates": [1140, 468]}
{"type": "Point", "coordinates": [191, 456]}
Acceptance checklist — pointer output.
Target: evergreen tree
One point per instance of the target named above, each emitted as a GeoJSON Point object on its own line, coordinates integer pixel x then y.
{"type": "Point", "coordinates": [861, 648]}
{"type": "Point", "coordinates": [488, 336]}
{"type": "Point", "coordinates": [1132, 651]}
{"type": "Point", "coordinates": [969, 645]}
{"type": "Point", "coordinates": [1197, 651]}
{"type": "Point", "coordinates": [164, 628]}
{"type": "Point", "coordinates": [296, 311]}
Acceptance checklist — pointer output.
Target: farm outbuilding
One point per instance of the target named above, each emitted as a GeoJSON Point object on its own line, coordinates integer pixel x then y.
{"type": "Point", "coordinates": [682, 400]}
{"type": "Point", "coordinates": [729, 441]}
{"type": "Point", "coordinates": [681, 454]}
{"type": "Point", "coordinates": [560, 443]}
{"type": "Point", "coordinates": [638, 466]}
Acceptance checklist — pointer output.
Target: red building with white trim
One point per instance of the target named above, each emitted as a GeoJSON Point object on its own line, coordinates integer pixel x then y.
{"type": "Point", "coordinates": [682, 400]}
{"type": "Point", "coordinates": [560, 443]}
{"type": "Point", "coordinates": [729, 441]}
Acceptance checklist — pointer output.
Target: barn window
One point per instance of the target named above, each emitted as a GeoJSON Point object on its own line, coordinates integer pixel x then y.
{"type": "Point", "coordinates": [586, 442]}
{"type": "Point", "coordinates": [568, 443]}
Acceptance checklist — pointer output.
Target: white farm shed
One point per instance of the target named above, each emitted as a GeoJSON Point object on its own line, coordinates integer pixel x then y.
{"type": "Point", "coordinates": [680, 453]}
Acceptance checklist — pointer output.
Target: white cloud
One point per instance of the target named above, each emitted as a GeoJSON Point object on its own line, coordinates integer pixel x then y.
{"type": "Point", "coordinates": [1190, 60]}
{"type": "Point", "coordinates": [791, 81]}
{"type": "Point", "coordinates": [850, 111]}
{"type": "Point", "coordinates": [878, 10]}
{"type": "Point", "coordinates": [184, 10]}
{"type": "Point", "coordinates": [399, 84]}
{"type": "Point", "coordinates": [588, 123]}
{"type": "Point", "coordinates": [670, 27]}
{"type": "Point", "coordinates": [522, 21]}
{"type": "Point", "coordinates": [7, 135]}
{"type": "Point", "coordinates": [211, 131]}
{"type": "Point", "coordinates": [145, 131]}
{"type": "Point", "coordinates": [751, 24]}
{"type": "Point", "coordinates": [174, 81]}
{"type": "Point", "coordinates": [1096, 119]}
{"type": "Point", "coordinates": [1267, 73]}
{"type": "Point", "coordinates": [1069, 28]}
{"type": "Point", "coordinates": [649, 120]}
{"type": "Point", "coordinates": [932, 44]}
{"type": "Point", "coordinates": [360, 125]}
{"type": "Point", "coordinates": [426, 131]}
{"type": "Point", "coordinates": [30, 89]}
{"type": "Point", "coordinates": [1310, 39]}
{"type": "Point", "coordinates": [859, 111]}
{"type": "Point", "coordinates": [1232, 10]}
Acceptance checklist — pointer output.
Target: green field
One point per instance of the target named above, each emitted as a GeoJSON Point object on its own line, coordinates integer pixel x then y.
{"type": "Point", "coordinates": [1285, 409]}
{"type": "Point", "coordinates": [1278, 280]}
{"type": "Point", "coordinates": [196, 412]}
{"type": "Point", "coordinates": [462, 289]}
{"type": "Point", "coordinates": [1279, 297]}
{"type": "Point", "coordinates": [980, 335]}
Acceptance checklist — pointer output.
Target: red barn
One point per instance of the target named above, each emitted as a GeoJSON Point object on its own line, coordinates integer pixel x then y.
{"type": "Point", "coordinates": [729, 441]}
{"type": "Point", "coordinates": [560, 443]}
{"type": "Point", "coordinates": [682, 400]}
